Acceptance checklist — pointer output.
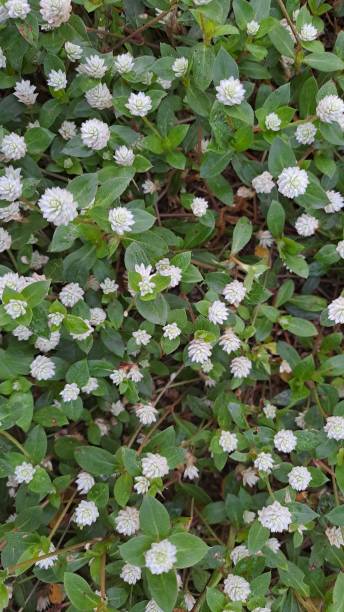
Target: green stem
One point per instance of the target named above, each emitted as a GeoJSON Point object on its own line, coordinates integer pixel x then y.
{"type": "Point", "coordinates": [151, 127]}
{"type": "Point", "coordinates": [318, 402]}
{"type": "Point", "coordinates": [13, 259]}
{"type": "Point", "coordinates": [15, 442]}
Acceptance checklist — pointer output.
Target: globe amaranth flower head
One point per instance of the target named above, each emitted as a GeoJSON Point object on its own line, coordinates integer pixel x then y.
{"type": "Point", "coordinates": [95, 134]}
{"type": "Point", "coordinates": [263, 183]}
{"type": "Point", "coordinates": [234, 292]}
{"type": "Point", "coordinates": [240, 367]}
{"type": "Point", "coordinates": [131, 574]}
{"type": "Point", "coordinates": [264, 462]}
{"type": "Point", "coordinates": [334, 427]}
{"type": "Point", "coordinates": [217, 312]}
{"type": "Point", "coordinates": [99, 97]}
{"type": "Point", "coordinates": [10, 184]}
{"type": "Point", "coordinates": [336, 310]}
{"type": "Point", "coordinates": [335, 536]}
{"type": "Point", "coordinates": [121, 220]}
{"type": "Point", "coordinates": [57, 80]}
{"type": "Point", "coordinates": [58, 206]}
{"type": "Point", "coordinates": [84, 482]}
{"type": "Point", "coordinates": [299, 478]}
{"type": "Point", "coordinates": [49, 561]}
{"type": "Point", "coordinates": [94, 66]}
{"type": "Point", "coordinates": [55, 12]}
{"type": "Point", "coordinates": [127, 521]}
{"type": "Point", "coordinates": [70, 392]}
{"type": "Point", "coordinates": [229, 341]}
{"type": "Point", "coordinates": [17, 9]}
{"type": "Point", "coordinates": [124, 156]}
{"type": "Point", "coordinates": [230, 92]}
{"type": "Point", "coordinates": [13, 146]}
{"type": "Point", "coordinates": [161, 557]}
{"type": "Point", "coordinates": [308, 32]}
{"type": "Point", "coordinates": [24, 472]}
{"type": "Point", "coordinates": [306, 225]}
{"type": "Point", "coordinates": [285, 441]}
{"type": "Point", "coordinates": [252, 27]}
{"type": "Point", "coordinates": [336, 202]}
{"type": "Point", "coordinates": [292, 182]}
{"type": "Point", "coordinates": [273, 122]}
{"type": "Point", "coordinates": [5, 240]}
{"type": "Point", "coordinates": [275, 517]}
{"type": "Point", "coordinates": [68, 130]}
{"type": "Point", "coordinates": [86, 513]}
{"type": "Point", "coordinates": [305, 133]}
{"type": "Point", "coordinates": [146, 413]}
{"type": "Point", "coordinates": [228, 441]}
{"type": "Point", "coordinates": [199, 206]}
{"type": "Point", "coordinates": [15, 308]}
{"type": "Point", "coordinates": [139, 105]}
{"type": "Point", "coordinates": [171, 331]}
{"type": "Point", "coordinates": [330, 109]}
{"type": "Point", "coordinates": [123, 63]}
{"type": "Point", "coordinates": [236, 588]}
{"type": "Point", "coordinates": [154, 466]}
{"type": "Point", "coordinates": [42, 368]}
{"type": "Point", "coordinates": [73, 52]}
{"type": "Point", "coordinates": [71, 294]}
{"type": "Point", "coordinates": [199, 351]}
{"type": "Point", "coordinates": [180, 66]}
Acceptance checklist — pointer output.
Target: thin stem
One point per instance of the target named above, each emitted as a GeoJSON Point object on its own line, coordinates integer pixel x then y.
{"type": "Point", "coordinates": [150, 125]}
{"type": "Point", "coordinates": [103, 576]}
{"type": "Point", "coordinates": [318, 402]}
{"type": "Point", "coordinates": [290, 22]}
{"type": "Point", "coordinates": [12, 258]}
{"type": "Point", "coordinates": [144, 27]}
{"type": "Point", "coordinates": [62, 515]}
{"type": "Point", "coordinates": [12, 439]}
{"type": "Point", "coordinates": [209, 528]}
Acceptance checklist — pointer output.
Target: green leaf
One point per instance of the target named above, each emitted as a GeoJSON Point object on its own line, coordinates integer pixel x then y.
{"type": "Point", "coordinates": [190, 549]}
{"type": "Point", "coordinates": [224, 67]}
{"type": "Point", "coordinates": [336, 516]}
{"type": "Point", "coordinates": [97, 461]}
{"type": "Point", "coordinates": [134, 550]}
{"type": "Point", "coordinates": [154, 518]}
{"type": "Point", "coordinates": [276, 219]}
{"type": "Point", "coordinates": [122, 489]}
{"type": "Point", "coordinates": [324, 62]}
{"type": "Point", "coordinates": [163, 589]}
{"type": "Point", "coordinates": [203, 59]}
{"type": "Point", "coordinates": [298, 327]}
{"type": "Point", "coordinates": [257, 537]}
{"type": "Point", "coordinates": [84, 188]}
{"type": "Point", "coordinates": [79, 592]}
{"type": "Point", "coordinates": [38, 140]}
{"type": "Point", "coordinates": [155, 311]}
{"type": "Point", "coordinates": [280, 156]}
{"type": "Point", "coordinates": [241, 235]}
{"type": "Point", "coordinates": [282, 40]}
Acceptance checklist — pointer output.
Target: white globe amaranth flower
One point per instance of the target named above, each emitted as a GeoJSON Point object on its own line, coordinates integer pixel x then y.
{"type": "Point", "coordinates": [49, 561]}
{"type": "Point", "coordinates": [127, 521]}
{"type": "Point", "coordinates": [336, 310]}
{"type": "Point", "coordinates": [306, 225]}
{"type": "Point", "coordinates": [13, 281]}
{"type": "Point", "coordinates": [336, 202]}
{"type": "Point", "coordinates": [273, 544]}
{"type": "Point", "coordinates": [229, 341]}
{"type": "Point", "coordinates": [15, 308]}
{"type": "Point", "coordinates": [217, 312]}
{"type": "Point", "coordinates": [99, 97]}
{"type": "Point", "coordinates": [5, 240]}
{"type": "Point", "coordinates": [71, 294]}
{"type": "Point", "coordinates": [228, 441]}
{"type": "Point", "coordinates": [24, 472]}
{"type": "Point", "coordinates": [238, 553]}
{"type": "Point", "coordinates": [165, 83]}
{"type": "Point", "coordinates": [94, 66]}
{"type": "Point", "coordinates": [236, 588]}
{"type": "Point", "coordinates": [165, 268]}
{"type": "Point", "coordinates": [124, 156]}
{"type": "Point", "coordinates": [285, 367]}
{"type": "Point", "coordinates": [230, 92]}
{"type": "Point", "coordinates": [55, 12]}
{"type": "Point", "coordinates": [91, 385]}
{"type": "Point", "coordinates": [330, 109]}
{"type": "Point", "coordinates": [97, 316]}
{"type": "Point", "coordinates": [299, 478]}
{"type": "Point", "coordinates": [149, 187]}
{"type": "Point", "coordinates": [308, 32]}
{"type": "Point", "coordinates": [58, 206]}
{"type": "Point", "coordinates": [68, 130]}
{"type": "Point", "coordinates": [171, 331]}
{"type": "Point", "coordinates": [10, 184]}
{"type": "Point", "coordinates": [57, 80]}
{"type": "Point", "coordinates": [249, 477]}
{"type": "Point", "coordinates": [142, 337]}
{"type": "Point", "coordinates": [305, 133]}
{"type": "Point", "coordinates": [22, 333]}
{"type": "Point", "coordinates": [95, 134]}
{"type": "Point", "coordinates": [334, 427]}
{"type": "Point", "coordinates": [121, 220]}
{"type": "Point", "coordinates": [180, 66]}
{"type": "Point", "coordinates": [139, 105]}
{"type": "Point", "coordinates": [108, 286]}
{"type": "Point", "coordinates": [275, 517]}
{"type": "Point", "coordinates": [263, 183]}
{"type": "Point", "coordinates": [70, 392]}
{"type": "Point", "coordinates": [264, 463]}
{"type": "Point", "coordinates": [161, 557]}
{"type": "Point", "coordinates": [199, 206]}
{"type": "Point", "coordinates": [131, 574]}
{"type": "Point", "coordinates": [25, 92]}
{"type": "Point", "coordinates": [154, 466]}
{"type": "Point", "coordinates": [273, 122]}
{"type": "Point", "coordinates": [13, 146]}
{"type": "Point", "coordinates": [292, 182]}
{"type": "Point", "coordinates": [73, 52]}
{"type": "Point", "coordinates": [17, 9]}
{"type": "Point", "coordinates": [248, 517]}
{"type": "Point", "coordinates": [146, 413]}
{"type": "Point", "coordinates": [252, 27]}
{"type": "Point", "coordinates": [340, 248]}
{"type": "Point", "coordinates": [191, 472]}
{"type": "Point", "coordinates": [141, 485]}
{"type": "Point", "coordinates": [123, 63]}
{"type": "Point", "coordinates": [240, 367]}
{"type": "Point", "coordinates": [285, 441]}
{"type": "Point", "coordinates": [335, 536]}
{"type": "Point", "coordinates": [42, 368]}
{"type": "Point", "coordinates": [270, 411]}
{"type": "Point", "coordinates": [86, 513]}
{"type": "Point", "coordinates": [199, 351]}
{"type": "Point", "coordinates": [84, 482]}
{"type": "Point", "coordinates": [234, 292]}
{"type": "Point", "coordinates": [3, 61]}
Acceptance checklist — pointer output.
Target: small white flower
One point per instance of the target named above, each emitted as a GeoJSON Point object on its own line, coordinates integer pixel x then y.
{"type": "Point", "coordinates": [292, 182]}
{"type": "Point", "coordinates": [189, 601]}
{"type": "Point", "coordinates": [49, 561]}
{"type": "Point", "coordinates": [249, 477]}
{"type": "Point", "coordinates": [230, 92]}
{"type": "Point", "coordinates": [285, 441]}
{"type": "Point", "coordinates": [74, 52]}
{"type": "Point", "coordinates": [285, 367]}
{"type": "Point", "coordinates": [10, 184]}
{"type": "Point", "coordinates": [335, 536]}
{"type": "Point", "coordinates": [24, 472]}
{"type": "Point", "coordinates": [273, 544]}
{"type": "Point", "coordinates": [94, 66]}
{"type": "Point", "coordinates": [103, 426]}
{"type": "Point", "coordinates": [299, 478]}
{"type": "Point", "coordinates": [95, 134]}
{"type": "Point", "coordinates": [263, 183]}
{"type": "Point", "coordinates": [121, 219]}
{"type": "Point", "coordinates": [70, 392]}
{"type": "Point", "coordinates": [97, 316]}
{"type": "Point", "coordinates": [57, 80]}
{"type": "Point", "coordinates": [171, 331]}
{"type": "Point", "coordinates": [84, 482]}
{"type": "Point", "coordinates": [240, 367]}
{"type": "Point", "coordinates": [305, 133]}
{"type": "Point", "coordinates": [248, 517]}
{"type": "Point", "coordinates": [229, 341]}
{"type": "Point", "coordinates": [160, 557]}
{"type": "Point", "coordinates": [149, 187]}
{"type": "Point", "coordinates": [55, 12]}
{"type": "Point", "coordinates": [270, 411]}
{"type": "Point", "coordinates": [42, 368]}
{"type": "Point", "coordinates": [127, 521]}
{"type": "Point", "coordinates": [58, 206]}
{"type": "Point", "coordinates": [191, 472]}
{"type": "Point", "coordinates": [68, 130]}
{"type": "Point", "coordinates": [180, 66]}
{"type": "Point", "coordinates": [152, 607]}
{"type": "Point", "coordinates": [86, 513]}
{"type": "Point", "coordinates": [108, 286]}
{"type": "Point", "coordinates": [330, 109]}
{"type": "Point", "coordinates": [334, 427]}
{"type": "Point", "coordinates": [199, 351]}
{"type": "Point", "coordinates": [234, 292]}
{"type": "Point", "coordinates": [48, 344]}
{"type": "Point", "coordinates": [131, 574]}
{"type": "Point", "coordinates": [71, 294]}
{"type": "Point", "coordinates": [13, 146]}
{"type": "Point", "coordinates": [308, 32]}
{"type": "Point", "coordinates": [91, 385]}
{"type": "Point", "coordinates": [306, 225]}
{"type": "Point", "coordinates": [336, 310]}
{"type": "Point", "coordinates": [141, 485]}
{"type": "Point", "coordinates": [146, 413]}
{"type": "Point", "coordinates": [17, 9]}
{"type": "Point", "coordinates": [3, 60]}
{"type": "Point", "coordinates": [22, 333]}
{"type": "Point", "coordinates": [165, 83]}
{"type": "Point", "coordinates": [264, 463]}
{"type": "Point", "coordinates": [238, 553]}
{"type": "Point", "coordinates": [228, 441]}
{"type": "Point", "coordinates": [217, 312]}
{"type": "Point", "coordinates": [99, 97]}
{"type": "Point", "coordinates": [236, 588]}
{"type": "Point", "coordinates": [118, 376]}
{"type": "Point", "coordinates": [336, 202]}
{"type": "Point", "coordinates": [5, 240]}
{"type": "Point", "coordinates": [139, 105]}
{"type": "Point", "coordinates": [252, 27]}
{"type": "Point", "coordinates": [141, 337]}
{"type": "Point", "coordinates": [123, 63]}
{"type": "Point", "coordinates": [154, 466]}
{"type": "Point", "coordinates": [340, 248]}
{"type": "Point", "coordinates": [164, 268]}
{"type": "Point", "coordinates": [273, 122]}
{"type": "Point", "coordinates": [275, 517]}
{"type": "Point", "coordinates": [124, 156]}
{"type": "Point", "coordinates": [25, 92]}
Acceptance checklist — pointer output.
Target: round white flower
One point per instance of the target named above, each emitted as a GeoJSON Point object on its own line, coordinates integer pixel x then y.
{"type": "Point", "coordinates": [139, 105]}
{"type": "Point", "coordinates": [285, 367]}
{"type": "Point", "coordinates": [275, 517]}
{"type": "Point", "coordinates": [55, 12]}
{"type": "Point", "coordinates": [306, 225]}
{"type": "Point", "coordinates": [94, 67]}
{"type": "Point", "coordinates": [3, 61]}
{"type": "Point", "coordinates": [74, 52]}
{"type": "Point", "coordinates": [71, 294]}
{"type": "Point", "coordinates": [164, 268]}
{"type": "Point", "coordinates": [238, 553]}
{"type": "Point", "coordinates": [236, 588]}
{"type": "Point", "coordinates": [180, 66]}
{"type": "Point", "coordinates": [334, 427]}
{"type": "Point", "coordinates": [22, 333]}
{"type": "Point", "coordinates": [234, 292]}
{"type": "Point", "coordinates": [57, 80]}
{"type": "Point", "coordinates": [171, 331]}
{"type": "Point", "coordinates": [263, 183]}
{"type": "Point", "coordinates": [97, 316]}
{"type": "Point", "coordinates": [141, 485]}
{"type": "Point", "coordinates": [58, 206]}
{"type": "Point", "coordinates": [292, 182]}
{"type": "Point", "coordinates": [131, 574]}
{"type": "Point", "coordinates": [299, 478]}
{"type": "Point", "coordinates": [270, 411]}
{"type": "Point", "coordinates": [17, 9]}
{"type": "Point", "coordinates": [84, 482]}
{"type": "Point", "coordinates": [49, 561]}
{"type": "Point", "coordinates": [25, 92]}
{"type": "Point", "coordinates": [305, 133]}
{"type": "Point", "coordinates": [13, 146]}
{"type": "Point", "coordinates": [217, 312]}
{"type": "Point", "coordinates": [91, 385]}
{"type": "Point", "coordinates": [146, 413]}
{"type": "Point", "coordinates": [228, 441]}
{"type": "Point", "coordinates": [248, 517]}
{"type": "Point", "coordinates": [24, 472]}
{"type": "Point", "coordinates": [199, 351]}
{"type": "Point", "coordinates": [5, 240]}
{"type": "Point", "coordinates": [70, 392]}
{"type": "Point", "coordinates": [240, 367]}
{"type": "Point", "coordinates": [15, 308]}
{"type": "Point", "coordinates": [285, 441]}
{"type": "Point", "coordinates": [95, 134]}
{"type": "Point", "coordinates": [230, 92]}
{"type": "Point", "coordinates": [165, 83]}
{"type": "Point", "coordinates": [340, 248]}
{"type": "Point", "coordinates": [273, 544]}
{"type": "Point", "coordinates": [10, 184]}
{"type": "Point", "coordinates": [68, 130]}
{"type": "Point", "coordinates": [308, 32]}
{"type": "Point", "coordinates": [149, 187]}
{"type": "Point", "coordinates": [124, 156]}
{"type": "Point", "coordinates": [108, 286]}
{"type": "Point", "coordinates": [127, 521]}
{"type": "Point", "coordinates": [335, 536]}
{"type": "Point", "coordinates": [42, 368]}
{"type": "Point", "coordinates": [160, 557]}
{"type": "Point", "coordinates": [191, 472]}
{"type": "Point", "coordinates": [99, 97]}
{"type": "Point", "coordinates": [336, 202]}
{"type": "Point", "coordinates": [154, 466]}
{"type": "Point", "coordinates": [141, 337]}
{"type": "Point", "coordinates": [264, 463]}
{"type": "Point", "coordinates": [229, 341]}
{"type": "Point", "coordinates": [123, 63]}
{"type": "Point", "coordinates": [336, 310]}
{"type": "Point", "coordinates": [121, 219]}
{"type": "Point", "coordinates": [273, 122]}
{"type": "Point", "coordinates": [330, 109]}
{"type": "Point", "coordinates": [252, 27]}
{"type": "Point", "coordinates": [86, 513]}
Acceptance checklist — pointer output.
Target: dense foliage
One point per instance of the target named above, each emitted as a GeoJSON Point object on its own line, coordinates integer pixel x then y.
{"type": "Point", "coordinates": [171, 262]}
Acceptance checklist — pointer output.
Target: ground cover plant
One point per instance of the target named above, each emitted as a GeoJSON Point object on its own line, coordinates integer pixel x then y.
{"type": "Point", "coordinates": [171, 309]}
